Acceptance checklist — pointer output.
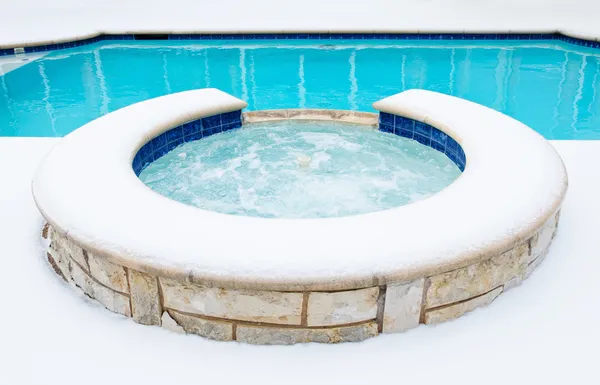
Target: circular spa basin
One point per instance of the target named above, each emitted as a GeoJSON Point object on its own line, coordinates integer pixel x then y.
{"type": "Point", "coordinates": [336, 276]}
{"type": "Point", "coordinates": [300, 169]}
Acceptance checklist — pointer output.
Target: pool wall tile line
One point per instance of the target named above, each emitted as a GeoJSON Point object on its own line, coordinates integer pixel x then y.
{"type": "Point", "coordinates": [313, 36]}
{"type": "Point", "coordinates": [187, 132]}
{"type": "Point", "coordinates": [425, 134]}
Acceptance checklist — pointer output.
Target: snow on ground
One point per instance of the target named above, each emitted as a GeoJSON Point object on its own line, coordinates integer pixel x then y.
{"type": "Point", "coordinates": [35, 20]}
{"type": "Point", "coordinates": [543, 332]}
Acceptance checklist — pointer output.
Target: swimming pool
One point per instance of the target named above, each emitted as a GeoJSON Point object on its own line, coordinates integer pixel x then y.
{"type": "Point", "coordinates": [549, 85]}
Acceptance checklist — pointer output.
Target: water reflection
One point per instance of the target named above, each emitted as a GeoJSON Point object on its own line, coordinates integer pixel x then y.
{"type": "Point", "coordinates": [553, 90]}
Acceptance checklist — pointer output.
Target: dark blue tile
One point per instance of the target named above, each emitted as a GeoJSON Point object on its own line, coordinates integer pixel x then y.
{"type": "Point", "coordinates": [403, 123]}
{"type": "Point", "coordinates": [160, 152]}
{"type": "Point", "coordinates": [460, 162]}
{"type": "Point", "coordinates": [461, 155]}
{"type": "Point", "coordinates": [188, 129]}
{"type": "Point", "coordinates": [211, 121]}
{"type": "Point", "coordinates": [194, 136]}
{"type": "Point", "coordinates": [451, 145]}
{"type": "Point", "coordinates": [192, 128]}
{"type": "Point", "coordinates": [422, 139]}
{"type": "Point", "coordinates": [159, 141]}
{"type": "Point", "coordinates": [386, 128]}
{"type": "Point", "coordinates": [437, 146]}
{"type": "Point", "coordinates": [231, 117]}
{"type": "Point", "coordinates": [174, 134]}
{"type": "Point", "coordinates": [206, 132]}
{"type": "Point", "coordinates": [145, 152]}
{"type": "Point", "coordinates": [137, 162]}
{"type": "Point", "coordinates": [385, 118]}
{"type": "Point", "coordinates": [175, 142]}
{"type": "Point", "coordinates": [423, 129]}
{"type": "Point", "coordinates": [404, 133]}
{"type": "Point", "coordinates": [438, 136]}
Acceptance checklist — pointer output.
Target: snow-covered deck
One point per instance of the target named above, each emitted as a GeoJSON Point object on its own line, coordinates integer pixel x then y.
{"type": "Point", "coordinates": [30, 21]}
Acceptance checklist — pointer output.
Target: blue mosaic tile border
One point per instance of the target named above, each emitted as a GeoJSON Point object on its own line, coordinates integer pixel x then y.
{"type": "Point", "coordinates": [424, 134]}
{"type": "Point", "coordinates": [187, 132]}
{"type": "Point", "coordinates": [321, 36]}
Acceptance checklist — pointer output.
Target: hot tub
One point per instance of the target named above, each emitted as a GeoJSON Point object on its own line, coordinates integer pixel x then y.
{"type": "Point", "coordinates": [287, 280]}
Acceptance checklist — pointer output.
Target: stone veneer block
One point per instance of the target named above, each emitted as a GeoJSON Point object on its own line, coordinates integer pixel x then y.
{"type": "Point", "coordinates": [342, 307]}
{"type": "Point", "coordinates": [541, 240]}
{"type": "Point", "coordinates": [286, 336]}
{"type": "Point", "coordinates": [63, 245]}
{"type": "Point", "coordinates": [471, 281]}
{"type": "Point", "coordinates": [108, 273]}
{"type": "Point", "coordinates": [534, 264]}
{"type": "Point", "coordinates": [264, 116]}
{"type": "Point", "coordinates": [403, 306]}
{"type": "Point", "coordinates": [310, 114]}
{"type": "Point", "coordinates": [245, 305]}
{"type": "Point", "coordinates": [215, 330]}
{"type": "Point", "coordinates": [145, 299]}
{"type": "Point", "coordinates": [112, 300]}
{"type": "Point", "coordinates": [167, 322]}
{"type": "Point", "coordinates": [450, 312]}
{"type": "Point", "coordinates": [61, 262]}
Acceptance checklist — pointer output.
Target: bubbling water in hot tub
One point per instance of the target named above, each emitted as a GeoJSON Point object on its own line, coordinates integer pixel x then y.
{"type": "Point", "coordinates": [300, 170]}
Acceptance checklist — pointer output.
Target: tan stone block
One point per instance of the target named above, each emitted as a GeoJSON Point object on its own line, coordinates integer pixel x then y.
{"type": "Point", "coordinates": [342, 307]}
{"type": "Point", "coordinates": [535, 263]}
{"type": "Point", "coordinates": [215, 330]}
{"type": "Point", "coordinates": [145, 299]}
{"type": "Point", "coordinates": [476, 279]}
{"type": "Point", "coordinates": [542, 239]}
{"type": "Point", "coordinates": [310, 114]}
{"type": "Point", "coordinates": [169, 323]}
{"type": "Point", "coordinates": [61, 262]}
{"type": "Point", "coordinates": [403, 306]}
{"type": "Point", "coordinates": [112, 300]}
{"type": "Point", "coordinates": [108, 273]}
{"type": "Point", "coordinates": [264, 116]}
{"type": "Point", "coordinates": [246, 305]}
{"type": "Point", "coordinates": [67, 248]}
{"type": "Point", "coordinates": [450, 312]}
{"type": "Point", "coordinates": [265, 335]}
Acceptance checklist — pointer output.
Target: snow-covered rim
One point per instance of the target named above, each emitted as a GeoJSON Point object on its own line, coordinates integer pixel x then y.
{"type": "Point", "coordinates": [513, 182]}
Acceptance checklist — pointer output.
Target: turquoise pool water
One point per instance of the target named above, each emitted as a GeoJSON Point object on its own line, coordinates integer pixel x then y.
{"type": "Point", "coordinates": [257, 171]}
{"type": "Point", "coordinates": [551, 86]}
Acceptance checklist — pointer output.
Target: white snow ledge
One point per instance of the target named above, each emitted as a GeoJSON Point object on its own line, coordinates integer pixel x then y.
{"type": "Point", "coordinates": [514, 182]}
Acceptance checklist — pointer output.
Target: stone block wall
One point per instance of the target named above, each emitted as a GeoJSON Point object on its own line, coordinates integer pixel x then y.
{"type": "Point", "coordinates": [278, 317]}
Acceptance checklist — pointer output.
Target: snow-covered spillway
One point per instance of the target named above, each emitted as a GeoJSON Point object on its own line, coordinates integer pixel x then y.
{"type": "Point", "coordinates": [262, 280]}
